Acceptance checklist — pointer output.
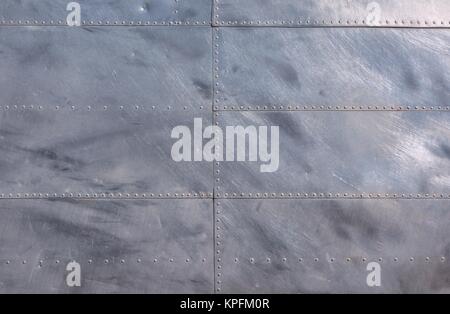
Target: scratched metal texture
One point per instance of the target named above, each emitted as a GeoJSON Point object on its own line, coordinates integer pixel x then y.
{"type": "Point", "coordinates": [332, 13]}
{"type": "Point", "coordinates": [346, 152]}
{"type": "Point", "coordinates": [101, 66]}
{"type": "Point", "coordinates": [86, 173]}
{"type": "Point", "coordinates": [159, 246]}
{"type": "Point", "coordinates": [305, 246]}
{"type": "Point", "coordinates": [71, 151]}
{"type": "Point", "coordinates": [121, 12]}
{"type": "Point", "coordinates": [333, 67]}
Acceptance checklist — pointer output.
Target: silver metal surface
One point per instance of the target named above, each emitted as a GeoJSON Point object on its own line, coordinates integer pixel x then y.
{"type": "Point", "coordinates": [86, 173]}
{"type": "Point", "coordinates": [304, 246]}
{"type": "Point", "coordinates": [113, 151]}
{"type": "Point", "coordinates": [333, 67]}
{"type": "Point", "coordinates": [332, 13]}
{"type": "Point", "coordinates": [346, 153]}
{"type": "Point", "coordinates": [117, 12]}
{"type": "Point", "coordinates": [110, 66]}
{"type": "Point", "coordinates": [159, 246]}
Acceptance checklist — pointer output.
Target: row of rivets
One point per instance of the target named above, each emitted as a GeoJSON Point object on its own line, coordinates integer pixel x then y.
{"type": "Point", "coordinates": [331, 108]}
{"type": "Point", "coordinates": [288, 195]}
{"type": "Point", "coordinates": [265, 195]}
{"type": "Point", "coordinates": [216, 99]}
{"type": "Point", "coordinates": [98, 108]}
{"type": "Point", "coordinates": [105, 261]}
{"type": "Point", "coordinates": [342, 22]}
{"type": "Point", "coordinates": [217, 207]}
{"type": "Point", "coordinates": [218, 247]}
{"type": "Point", "coordinates": [251, 260]}
{"type": "Point", "coordinates": [269, 260]}
{"type": "Point", "coordinates": [105, 195]}
{"type": "Point", "coordinates": [102, 23]}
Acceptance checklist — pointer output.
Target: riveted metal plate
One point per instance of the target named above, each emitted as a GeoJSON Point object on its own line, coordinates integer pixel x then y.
{"type": "Point", "coordinates": [81, 152]}
{"type": "Point", "coordinates": [332, 67]}
{"type": "Point", "coordinates": [157, 246]}
{"type": "Point", "coordinates": [105, 66]}
{"type": "Point", "coordinates": [118, 12]}
{"type": "Point", "coordinates": [332, 13]}
{"type": "Point", "coordinates": [345, 154]}
{"type": "Point", "coordinates": [297, 246]}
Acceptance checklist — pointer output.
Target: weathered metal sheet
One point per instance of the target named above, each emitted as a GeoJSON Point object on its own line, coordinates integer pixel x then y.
{"type": "Point", "coordinates": [332, 13]}
{"type": "Point", "coordinates": [120, 12]}
{"type": "Point", "coordinates": [83, 152]}
{"type": "Point", "coordinates": [86, 115]}
{"type": "Point", "coordinates": [157, 246]}
{"type": "Point", "coordinates": [345, 153]}
{"type": "Point", "coordinates": [332, 67]}
{"type": "Point", "coordinates": [105, 66]}
{"type": "Point", "coordinates": [298, 246]}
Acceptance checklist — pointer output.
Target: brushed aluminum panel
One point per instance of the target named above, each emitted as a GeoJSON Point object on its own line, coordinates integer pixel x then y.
{"type": "Point", "coordinates": [114, 151]}
{"type": "Point", "coordinates": [332, 67]}
{"type": "Point", "coordinates": [304, 246]}
{"type": "Point", "coordinates": [142, 246]}
{"type": "Point", "coordinates": [346, 153]}
{"type": "Point", "coordinates": [333, 13]}
{"type": "Point", "coordinates": [105, 66]}
{"type": "Point", "coordinates": [121, 12]}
